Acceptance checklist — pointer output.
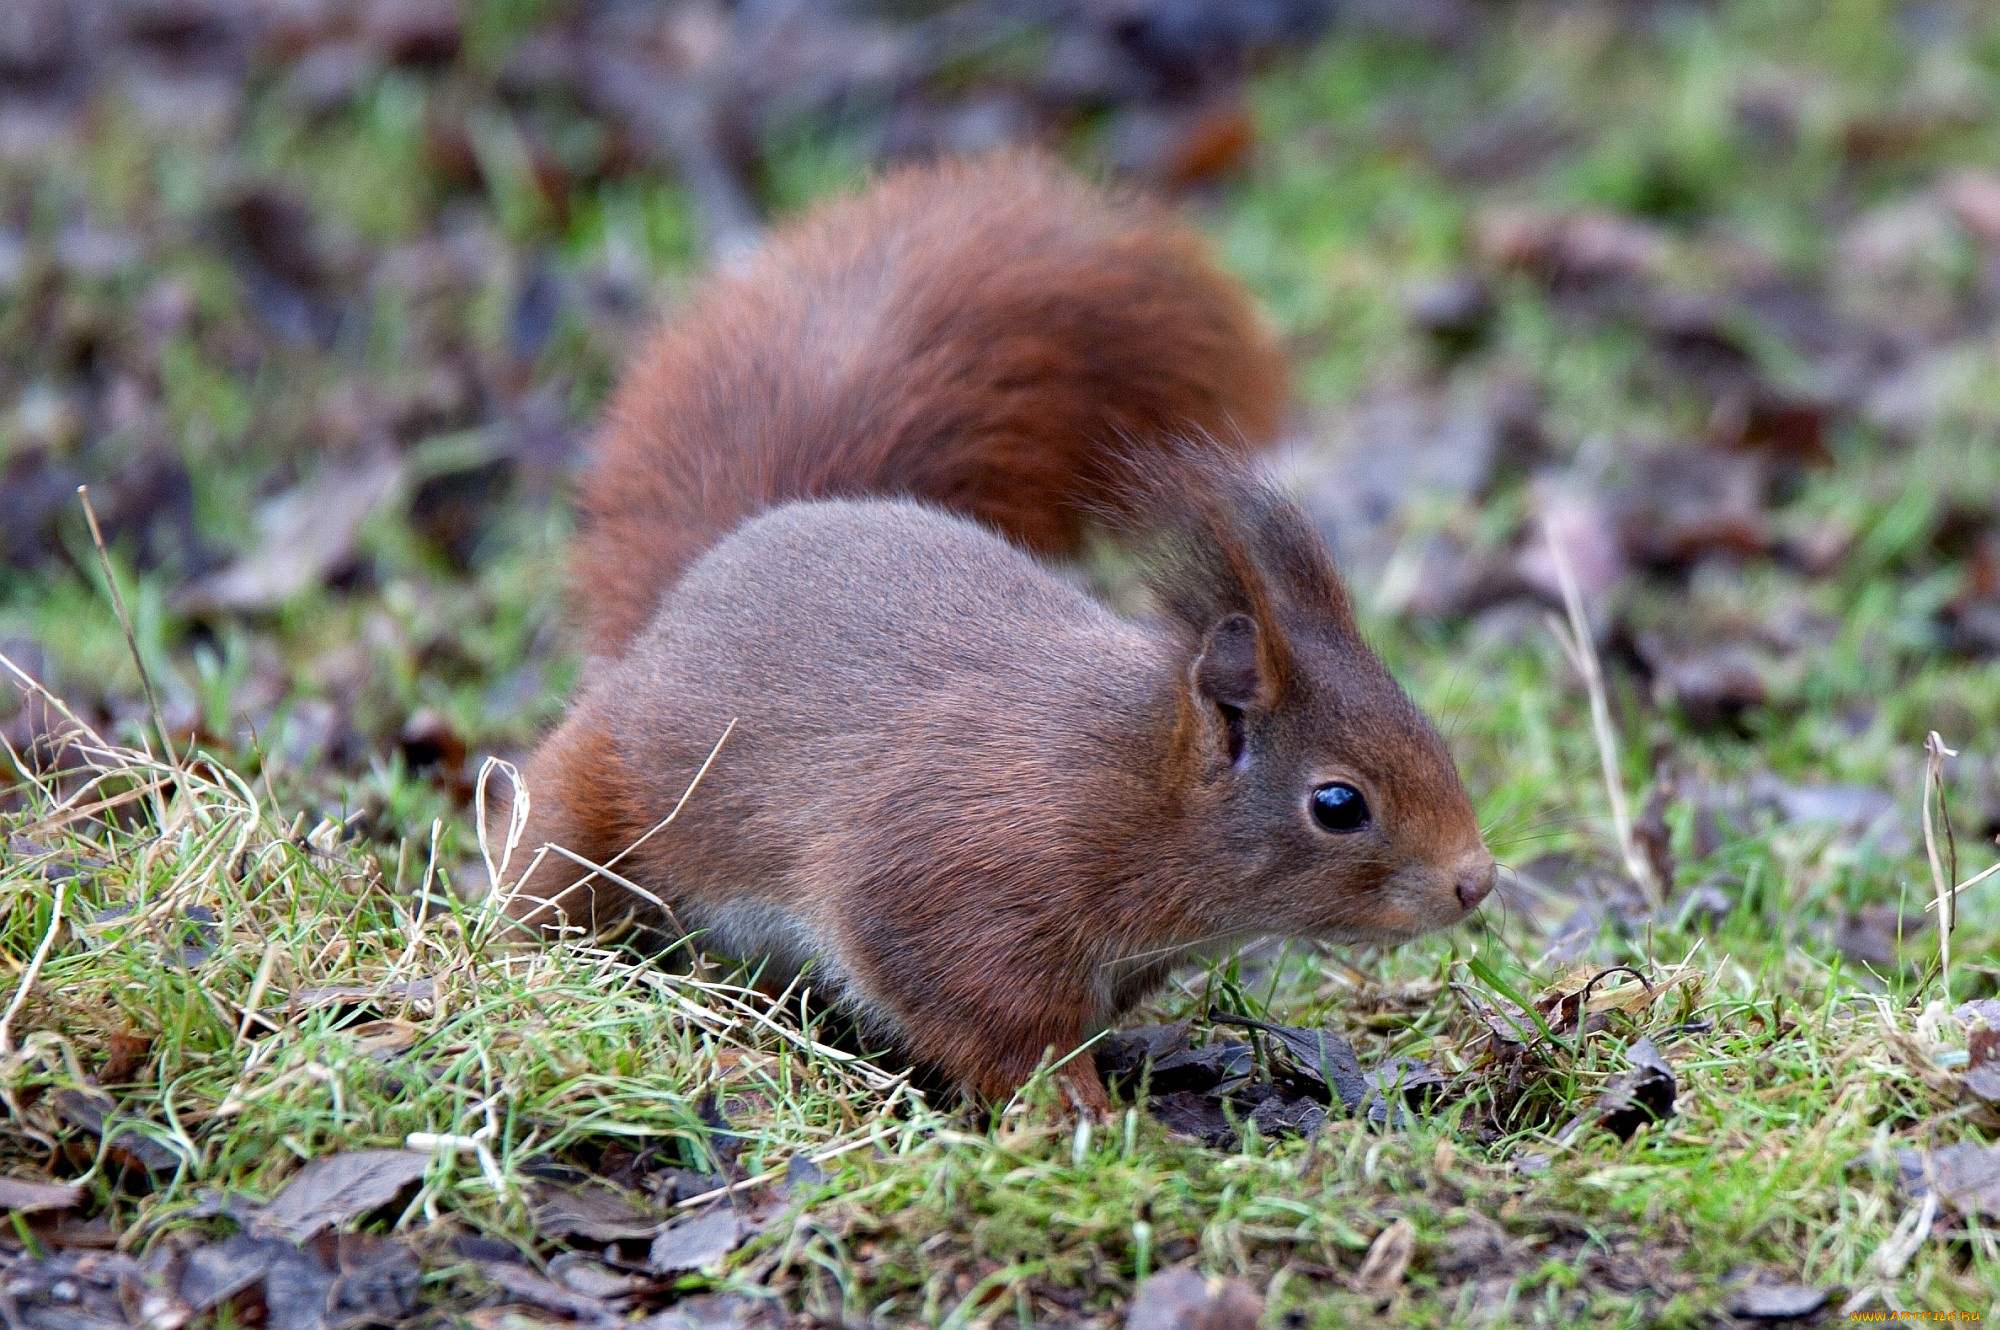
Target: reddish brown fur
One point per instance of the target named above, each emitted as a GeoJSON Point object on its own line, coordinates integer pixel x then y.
{"type": "Point", "coordinates": [988, 814]}
{"type": "Point", "coordinates": [978, 334]}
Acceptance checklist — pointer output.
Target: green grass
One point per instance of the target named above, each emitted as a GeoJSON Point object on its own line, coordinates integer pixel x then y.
{"type": "Point", "coordinates": [1801, 1072]}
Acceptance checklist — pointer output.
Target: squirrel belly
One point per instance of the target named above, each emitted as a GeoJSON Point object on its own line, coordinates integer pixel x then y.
{"type": "Point", "coordinates": [919, 794]}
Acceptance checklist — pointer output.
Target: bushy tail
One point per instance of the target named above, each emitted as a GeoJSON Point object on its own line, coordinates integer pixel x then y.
{"type": "Point", "coordinates": [988, 335]}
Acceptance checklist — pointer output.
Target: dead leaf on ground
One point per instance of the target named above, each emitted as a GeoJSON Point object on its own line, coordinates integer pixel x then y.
{"type": "Point", "coordinates": [1456, 312]}
{"type": "Point", "coordinates": [1182, 1299]}
{"type": "Point", "coordinates": [593, 1279]}
{"type": "Point", "coordinates": [1646, 1093]}
{"type": "Point", "coordinates": [1776, 1302]}
{"type": "Point", "coordinates": [1684, 505]}
{"type": "Point", "coordinates": [1275, 1111]}
{"type": "Point", "coordinates": [709, 1311]}
{"type": "Point", "coordinates": [1195, 1115]}
{"type": "Point", "coordinates": [124, 1140]}
{"type": "Point", "coordinates": [70, 1290]}
{"type": "Point", "coordinates": [1974, 198]}
{"type": "Point", "coordinates": [303, 536]}
{"type": "Point", "coordinates": [1388, 1258]}
{"type": "Point", "coordinates": [699, 1242]}
{"type": "Point", "coordinates": [25, 1196]}
{"type": "Point", "coordinates": [352, 1279]}
{"type": "Point", "coordinates": [125, 1053]}
{"type": "Point", "coordinates": [1643, 1093]}
{"type": "Point", "coordinates": [1160, 1055]}
{"type": "Point", "coordinates": [1582, 519]}
{"type": "Point", "coordinates": [1979, 1011]}
{"type": "Point", "coordinates": [335, 1189]}
{"type": "Point", "coordinates": [1571, 251]}
{"type": "Point", "coordinates": [519, 1282]}
{"type": "Point", "coordinates": [1714, 687]}
{"type": "Point", "coordinates": [1965, 1176]}
{"type": "Point", "coordinates": [1399, 1083]}
{"type": "Point", "coordinates": [1982, 1067]}
{"type": "Point", "coordinates": [1396, 448]}
{"type": "Point", "coordinates": [598, 1214]}
{"type": "Point", "coordinates": [1616, 988]}
{"type": "Point", "coordinates": [1320, 1058]}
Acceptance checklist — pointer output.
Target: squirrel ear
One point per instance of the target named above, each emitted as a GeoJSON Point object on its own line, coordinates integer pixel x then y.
{"type": "Point", "coordinates": [1232, 670]}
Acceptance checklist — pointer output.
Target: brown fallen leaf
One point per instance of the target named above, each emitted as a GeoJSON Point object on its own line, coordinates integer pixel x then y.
{"type": "Point", "coordinates": [1278, 1114]}
{"type": "Point", "coordinates": [1319, 1057]}
{"type": "Point", "coordinates": [1573, 250]}
{"type": "Point", "coordinates": [125, 1054]}
{"type": "Point", "coordinates": [332, 1190]}
{"type": "Point", "coordinates": [218, 1272]}
{"type": "Point", "coordinates": [1615, 988]}
{"type": "Point", "coordinates": [1979, 1011]}
{"type": "Point", "coordinates": [1181, 1299]}
{"type": "Point", "coordinates": [303, 536]}
{"type": "Point", "coordinates": [24, 1196]}
{"type": "Point", "coordinates": [1388, 1259]}
{"type": "Point", "coordinates": [1982, 1067]}
{"type": "Point", "coordinates": [1123, 1054]}
{"type": "Point", "coordinates": [593, 1279]}
{"type": "Point", "coordinates": [70, 1290]}
{"type": "Point", "coordinates": [699, 1242]}
{"type": "Point", "coordinates": [1393, 450]}
{"type": "Point", "coordinates": [1684, 505]}
{"type": "Point", "coordinates": [598, 1214]}
{"type": "Point", "coordinates": [1581, 519]}
{"type": "Point", "coordinates": [1713, 687]}
{"type": "Point", "coordinates": [1397, 1084]}
{"type": "Point", "coordinates": [518, 1281]}
{"type": "Point", "coordinates": [124, 1141]}
{"type": "Point", "coordinates": [384, 1038]}
{"type": "Point", "coordinates": [1965, 1176]}
{"type": "Point", "coordinates": [1196, 1115]}
{"type": "Point", "coordinates": [1776, 1302]}
{"type": "Point", "coordinates": [1455, 312]}
{"type": "Point", "coordinates": [1643, 1094]}
{"type": "Point", "coordinates": [413, 32]}
{"type": "Point", "coordinates": [709, 1311]}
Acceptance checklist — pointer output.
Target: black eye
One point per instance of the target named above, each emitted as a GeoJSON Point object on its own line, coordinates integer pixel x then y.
{"type": "Point", "coordinates": [1339, 807]}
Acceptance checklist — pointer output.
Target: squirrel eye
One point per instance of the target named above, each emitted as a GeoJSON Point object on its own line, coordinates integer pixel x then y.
{"type": "Point", "coordinates": [1339, 807]}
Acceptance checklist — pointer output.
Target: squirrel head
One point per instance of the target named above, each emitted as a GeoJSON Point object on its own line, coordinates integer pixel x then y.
{"type": "Point", "coordinates": [1330, 801]}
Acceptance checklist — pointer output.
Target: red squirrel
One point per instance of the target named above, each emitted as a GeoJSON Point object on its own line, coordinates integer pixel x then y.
{"type": "Point", "coordinates": [986, 812]}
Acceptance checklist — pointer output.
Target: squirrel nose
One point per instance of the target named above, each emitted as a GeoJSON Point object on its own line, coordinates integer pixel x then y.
{"type": "Point", "coordinates": [1475, 878]}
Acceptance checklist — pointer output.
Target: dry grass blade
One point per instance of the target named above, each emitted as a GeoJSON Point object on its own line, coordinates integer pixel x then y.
{"type": "Point", "coordinates": [1950, 898]}
{"type": "Point", "coordinates": [1943, 861]}
{"type": "Point", "coordinates": [34, 970]}
{"type": "Point", "coordinates": [517, 822]}
{"type": "Point", "coordinates": [1579, 645]}
{"type": "Point", "coordinates": [125, 622]}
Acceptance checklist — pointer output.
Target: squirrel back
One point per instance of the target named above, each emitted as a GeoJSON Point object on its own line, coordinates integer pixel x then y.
{"type": "Point", "coordinates": [989, 336]}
